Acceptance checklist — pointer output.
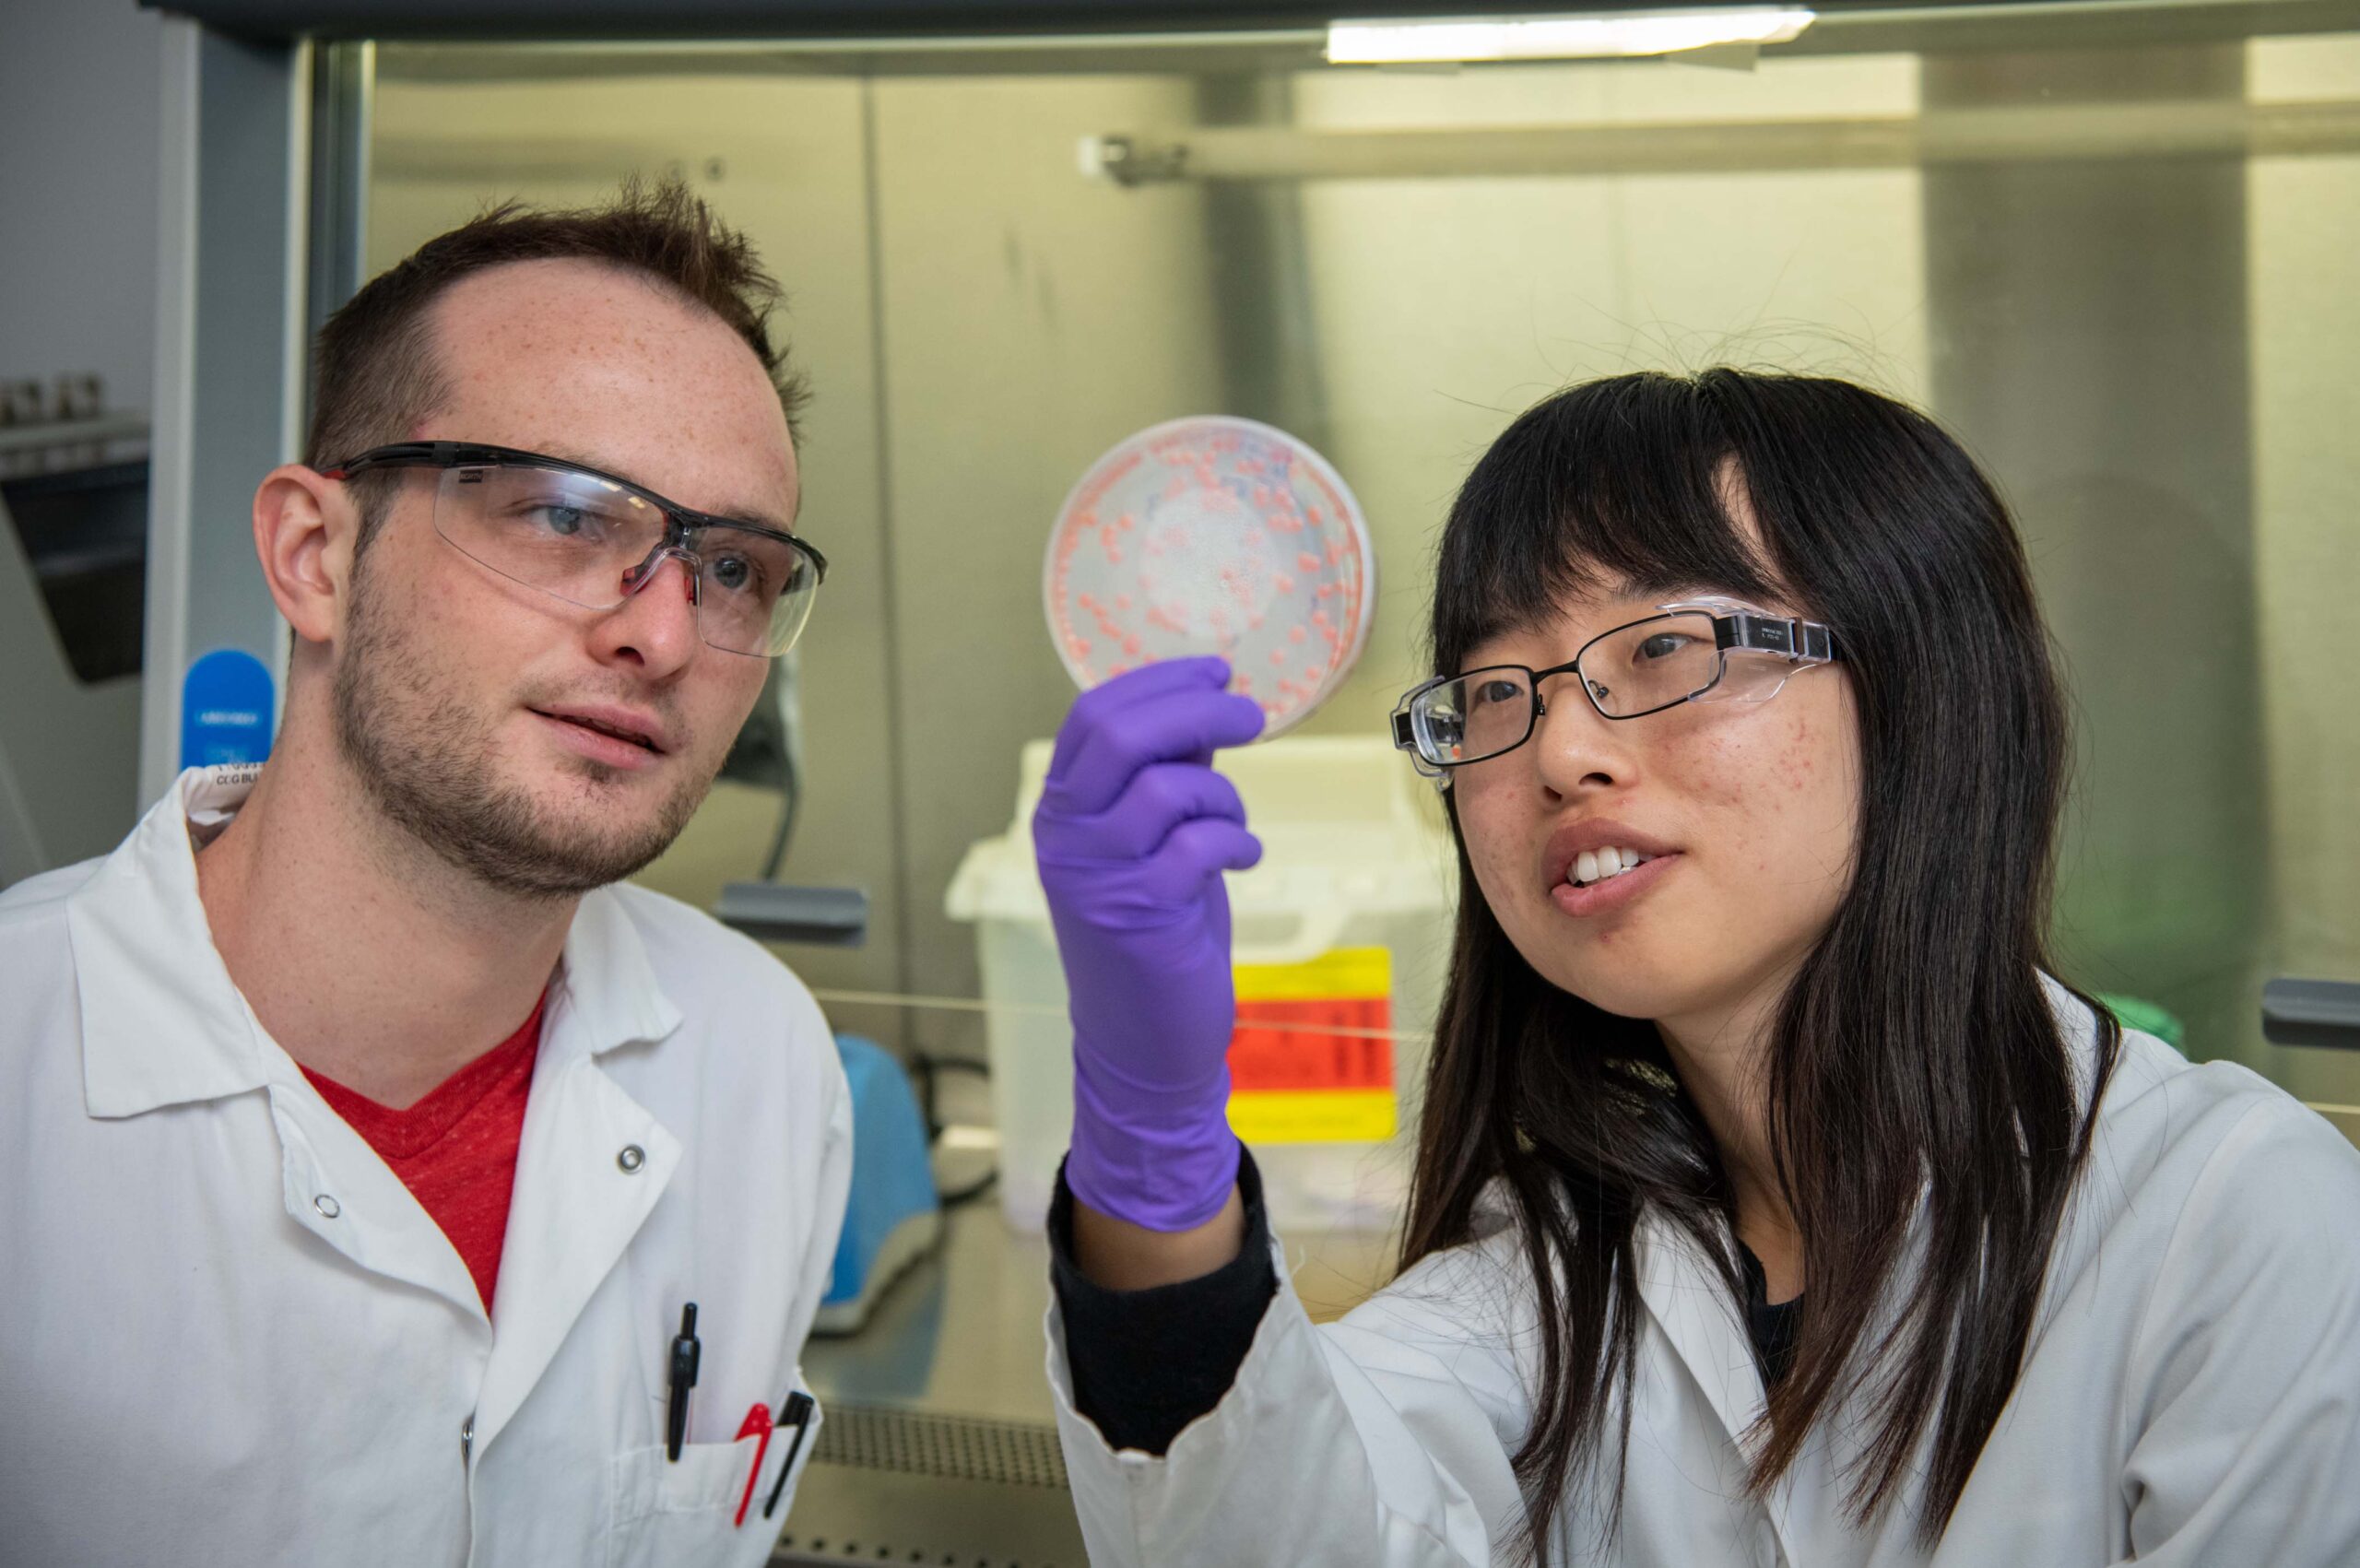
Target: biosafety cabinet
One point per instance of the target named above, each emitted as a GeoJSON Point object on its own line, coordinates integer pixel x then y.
{"type": "Point", "coordinates": [2109, 244]}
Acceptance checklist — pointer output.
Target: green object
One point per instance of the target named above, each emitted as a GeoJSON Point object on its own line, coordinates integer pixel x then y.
{"type": "Point", "coordinates": [2160, 1023]}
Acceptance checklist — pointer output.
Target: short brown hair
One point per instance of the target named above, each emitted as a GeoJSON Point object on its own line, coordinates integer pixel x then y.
{"type": "Point", "coordinates": [375, 369]}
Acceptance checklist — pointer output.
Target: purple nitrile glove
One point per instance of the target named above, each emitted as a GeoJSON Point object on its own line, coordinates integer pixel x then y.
{"type": "Point", "coordinates": [1133, 833]}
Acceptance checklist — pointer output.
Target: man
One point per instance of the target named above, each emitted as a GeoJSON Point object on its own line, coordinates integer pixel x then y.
{"type": "Point", "coordinates": [365, 1143]}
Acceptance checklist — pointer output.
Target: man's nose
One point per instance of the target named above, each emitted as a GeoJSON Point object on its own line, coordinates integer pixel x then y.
{"type": "Point", "coordinates": [655, 625]}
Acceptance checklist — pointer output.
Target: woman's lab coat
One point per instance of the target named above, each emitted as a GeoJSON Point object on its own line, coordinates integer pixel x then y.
{"type": "Point", "coordinates": [2192, 1395]}
{"type": "Point", "coordinates": [229, 1335]}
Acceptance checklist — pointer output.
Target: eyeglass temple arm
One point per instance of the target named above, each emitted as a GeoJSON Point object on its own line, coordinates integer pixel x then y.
{"type": "Point", "coordinates": [412, 453]}
{"type": "Point", "coordinates": [1804, 640]}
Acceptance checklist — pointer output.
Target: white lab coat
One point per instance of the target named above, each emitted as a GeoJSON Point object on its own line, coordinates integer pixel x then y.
{"type": "Point", "coordinates": [2192, 1396]}
{"type": "Point", "coordinates": [229, 1335]}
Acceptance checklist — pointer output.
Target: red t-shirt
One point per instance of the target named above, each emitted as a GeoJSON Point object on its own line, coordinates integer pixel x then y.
{"type": "Point", "coordinates": [455, 1149]}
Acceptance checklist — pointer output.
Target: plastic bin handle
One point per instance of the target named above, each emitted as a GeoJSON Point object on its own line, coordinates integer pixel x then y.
{"type": "Point", "coordinates": [1315, 933]}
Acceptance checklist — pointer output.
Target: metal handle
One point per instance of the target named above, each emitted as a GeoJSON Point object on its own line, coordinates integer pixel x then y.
{"type": "Point", "coordinates": [769, 912]}
{"type": "Point", "coordinates": [2311, 1012]}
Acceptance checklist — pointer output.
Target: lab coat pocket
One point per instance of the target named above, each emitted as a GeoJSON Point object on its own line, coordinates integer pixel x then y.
{"type": "Point", "coordinates": [666, 1512]}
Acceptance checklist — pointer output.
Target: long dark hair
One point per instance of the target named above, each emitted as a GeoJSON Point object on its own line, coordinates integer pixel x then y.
{"type": "Point", "coordinates": [1915, 1051]}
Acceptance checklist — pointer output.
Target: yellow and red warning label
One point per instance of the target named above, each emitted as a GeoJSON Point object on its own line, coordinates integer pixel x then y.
{"type": "Point", "coordinates": [1312, 1059]}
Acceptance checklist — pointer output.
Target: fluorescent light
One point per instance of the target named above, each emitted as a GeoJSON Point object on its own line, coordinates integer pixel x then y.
{"type": "Point", "coordinates": [1558, 38]}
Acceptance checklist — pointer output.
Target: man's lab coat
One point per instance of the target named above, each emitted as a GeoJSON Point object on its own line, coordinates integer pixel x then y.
{"type": "Point", "coordinates": [229, 1335]}
{"type": "Point", "coordinates": [2190, 1400]}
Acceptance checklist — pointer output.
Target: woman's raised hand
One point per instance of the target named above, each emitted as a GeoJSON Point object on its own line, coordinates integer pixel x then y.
{"type": "Point", "coordinates": [1133, 833]}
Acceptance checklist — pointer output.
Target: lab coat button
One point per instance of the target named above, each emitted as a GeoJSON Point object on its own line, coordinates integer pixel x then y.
{"type": "Point", "coordinates": [631, 1159]}
{"type": "Point", "coordinates": [467, 1438]}
{"type": "Point", "coordinates": [329, 1209]}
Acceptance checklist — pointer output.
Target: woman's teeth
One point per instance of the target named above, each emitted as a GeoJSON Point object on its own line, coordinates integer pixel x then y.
{"type": "Point", "coordinates": [1596, 866]}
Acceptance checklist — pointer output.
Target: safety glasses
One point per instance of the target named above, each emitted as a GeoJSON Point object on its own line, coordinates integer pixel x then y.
{"type": "Point", "coordinates": [1706, 650]}
{"type": "Point", "coordinates": [593, 540]}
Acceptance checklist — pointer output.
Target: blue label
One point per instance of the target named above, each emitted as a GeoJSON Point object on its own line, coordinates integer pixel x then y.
{"type": "Point", "coordinates": [225, 710]}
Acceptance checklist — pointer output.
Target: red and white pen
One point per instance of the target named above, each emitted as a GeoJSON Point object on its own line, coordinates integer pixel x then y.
{"type": "Point", "coordinates": [756, 1424]}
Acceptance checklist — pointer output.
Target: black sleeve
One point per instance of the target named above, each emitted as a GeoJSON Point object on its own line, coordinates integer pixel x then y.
{"type": "Point", "coordinates": [1147, 1363]}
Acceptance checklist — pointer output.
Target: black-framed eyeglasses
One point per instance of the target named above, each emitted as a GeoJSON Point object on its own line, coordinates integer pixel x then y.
{"type": "Point", "coordinates": [593, 540]}
{"type": "Point", "coordinates": [1697, 651]}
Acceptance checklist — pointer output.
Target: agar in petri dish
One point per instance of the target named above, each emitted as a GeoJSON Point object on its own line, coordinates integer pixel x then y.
{"type": "Point", "coordinates": [1214, 535]}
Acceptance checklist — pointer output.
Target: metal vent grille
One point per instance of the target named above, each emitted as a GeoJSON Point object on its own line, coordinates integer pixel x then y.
{"type": "Point", "coordinates": [954, 1447]}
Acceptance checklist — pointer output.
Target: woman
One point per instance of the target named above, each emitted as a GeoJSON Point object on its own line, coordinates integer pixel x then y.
{"type": "Point", "coordinates": [1772, 1204]}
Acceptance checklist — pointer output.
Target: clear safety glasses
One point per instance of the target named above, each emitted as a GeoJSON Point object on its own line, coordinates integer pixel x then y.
{"type": "Point", "coordinates": [1709, 650]}
{"type": "Point", "coordinates": [593, 540]}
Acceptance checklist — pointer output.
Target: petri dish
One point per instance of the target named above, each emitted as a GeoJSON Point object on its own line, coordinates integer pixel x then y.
{"type": "Point", "coordinates": [1214, 535]}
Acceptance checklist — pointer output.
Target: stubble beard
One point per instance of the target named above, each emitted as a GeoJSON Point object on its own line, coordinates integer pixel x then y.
{"type": "Point", "coordinates": [426, 761]}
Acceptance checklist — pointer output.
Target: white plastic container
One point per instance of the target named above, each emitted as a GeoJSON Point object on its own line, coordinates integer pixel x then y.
{"type": "Point", "coordinates": [1355, 855]}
